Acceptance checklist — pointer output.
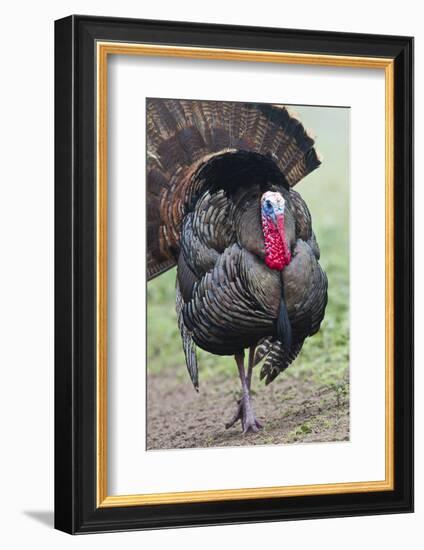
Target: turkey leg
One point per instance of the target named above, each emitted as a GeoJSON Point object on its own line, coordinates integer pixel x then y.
{"type": "Point", "coordinates": [244, 410]}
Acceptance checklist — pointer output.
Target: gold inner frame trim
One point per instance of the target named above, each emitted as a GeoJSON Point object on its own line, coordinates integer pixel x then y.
{"type": "Point", "coordinates": [103, 50]}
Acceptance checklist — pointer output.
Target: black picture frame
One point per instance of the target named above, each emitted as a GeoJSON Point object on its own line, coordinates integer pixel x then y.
{"type": "Point", "coordinates": [76, 508]}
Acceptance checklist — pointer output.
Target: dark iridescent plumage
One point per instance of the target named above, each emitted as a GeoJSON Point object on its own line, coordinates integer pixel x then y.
{"type": "Point", "coordinates": [209, 165]}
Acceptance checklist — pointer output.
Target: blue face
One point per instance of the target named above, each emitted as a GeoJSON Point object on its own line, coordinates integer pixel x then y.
{"type": "Point", "coordinates": [272, 205]}
{"type": "Point", "coordinates": [268, 209]}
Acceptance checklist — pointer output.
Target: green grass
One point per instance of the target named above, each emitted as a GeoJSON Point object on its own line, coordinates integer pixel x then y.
{"type": "Point", "coordinates": [324, 358]}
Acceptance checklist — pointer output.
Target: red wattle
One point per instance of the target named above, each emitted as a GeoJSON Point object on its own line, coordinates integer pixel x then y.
{"type": "Point", "coordinates": [277, 252]}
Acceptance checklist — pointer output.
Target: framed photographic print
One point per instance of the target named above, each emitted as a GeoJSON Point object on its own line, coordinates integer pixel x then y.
{"type": "Point", "coordinates": [233, 265]}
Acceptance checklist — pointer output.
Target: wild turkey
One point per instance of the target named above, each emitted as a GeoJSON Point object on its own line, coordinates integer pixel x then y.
{"type": "Point", "coordinates": [221, 206]}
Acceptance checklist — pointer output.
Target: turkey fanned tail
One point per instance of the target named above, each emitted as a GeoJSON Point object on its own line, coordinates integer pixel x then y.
{"type": "Point", "coordinates": [184, 136]}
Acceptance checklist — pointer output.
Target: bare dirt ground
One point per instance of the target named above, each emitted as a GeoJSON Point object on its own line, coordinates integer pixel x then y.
{"type": "Point", "coordinates": [292, 411]}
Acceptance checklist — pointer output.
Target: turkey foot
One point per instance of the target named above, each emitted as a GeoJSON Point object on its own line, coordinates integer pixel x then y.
{"type": "Point", "coordinates": [244, 410]}
{"type": "Point", "coordinates": [247, 416]}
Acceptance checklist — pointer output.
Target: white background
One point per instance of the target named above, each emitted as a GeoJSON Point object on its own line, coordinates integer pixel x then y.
{"type": "Point", "coordinates": [131, 80]}
{"type": "Point", "coordinates": [26, 289]}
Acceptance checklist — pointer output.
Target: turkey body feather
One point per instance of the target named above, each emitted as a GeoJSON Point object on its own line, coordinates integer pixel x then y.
{"type": "Point", "coordinates": [231, 299]}
{"type": "Point", "coordinates": [220, 204]}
